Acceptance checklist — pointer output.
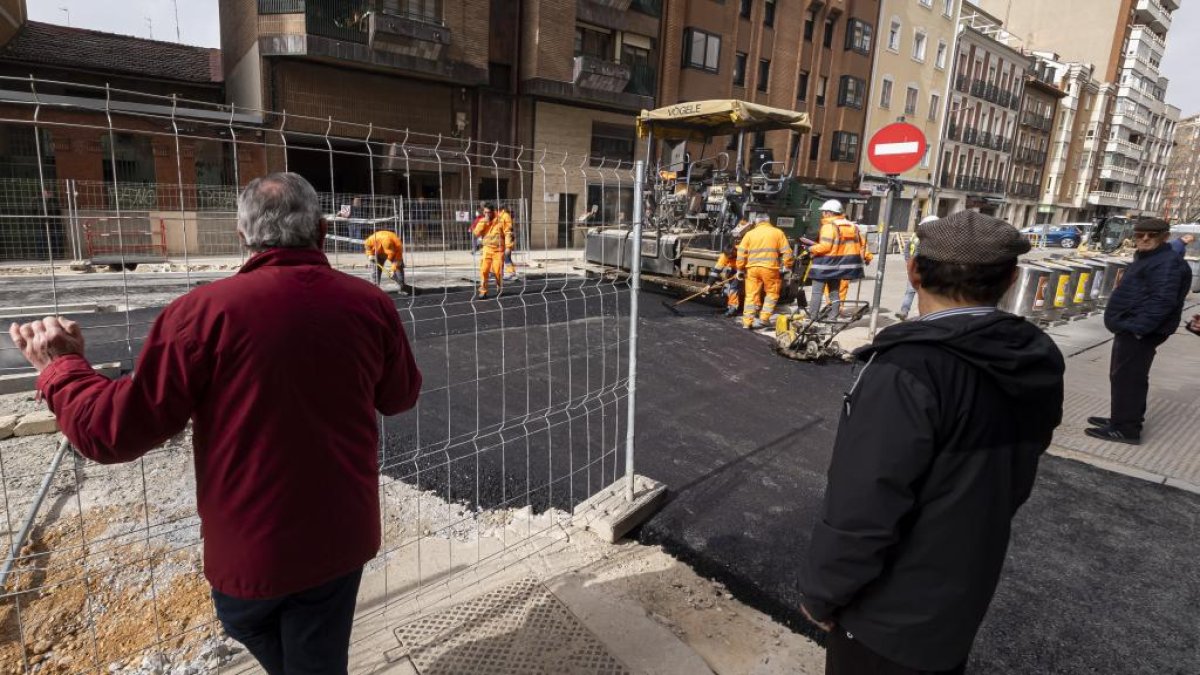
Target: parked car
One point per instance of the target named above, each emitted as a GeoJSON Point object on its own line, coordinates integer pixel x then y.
{"type": "Point", "coordinates": [1065, 235]}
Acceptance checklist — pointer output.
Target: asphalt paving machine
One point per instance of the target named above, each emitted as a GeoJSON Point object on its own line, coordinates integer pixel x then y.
{"type": "Point", "coordinates": [694, 207]}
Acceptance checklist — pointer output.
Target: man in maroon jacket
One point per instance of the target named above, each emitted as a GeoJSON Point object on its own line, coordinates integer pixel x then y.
{"type": "Point", "coordinates": [281, 369]}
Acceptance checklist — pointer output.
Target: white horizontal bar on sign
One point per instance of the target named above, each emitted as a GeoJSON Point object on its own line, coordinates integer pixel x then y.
{"type": "Point", "coordinates": [885, 149]}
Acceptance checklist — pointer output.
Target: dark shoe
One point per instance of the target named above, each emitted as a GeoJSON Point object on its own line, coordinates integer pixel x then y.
{"type": "Point", "coordinates": [1098, 421]}
{"type": "Point", "coordinates": [1114, 435]}
{"type": "Point", "coordinates": [732, 311]}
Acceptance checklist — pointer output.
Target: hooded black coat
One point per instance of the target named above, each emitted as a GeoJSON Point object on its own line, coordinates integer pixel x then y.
{"type": "Point", "coordinates": [937, 449]}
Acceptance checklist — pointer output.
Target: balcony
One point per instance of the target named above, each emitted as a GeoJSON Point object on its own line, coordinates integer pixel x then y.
{"type": "Point", "coordinates": [600, 74]}
{"type": "Point", "coordinates": [1134, 123]}
{"type": "Point", "coordinates": [1118, 199]}
{"type": "Point", "coordinates": [1144, 32]}
{"type": "Point", "coordinates": [1119, 173]}
{"type": "Point", "coordinates": [1123, 147]}
{"type": "Point", "coordinates": [1035, 121]}
{"type": "Point", "coordinates": [1152, 14]}
{"type": "Point", "coordinates": [954, 132]}
{"type": "Point", "coordinates": [421, 37]}
{"type": "Point", "coordinates": [1030, 156]}
{"type": "Point", "coordinates": [977, 184]}
{"type": "Point", "coordinates": [375, 33]}
{"type": "Point", "coordinates": [1024, 190]}
{"type": "Point", "coordinates": [963, 84]}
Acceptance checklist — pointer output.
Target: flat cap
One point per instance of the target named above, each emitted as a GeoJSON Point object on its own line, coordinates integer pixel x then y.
{"type": "Point", "coordinates": [1151, 225]}
{"type": "Point", "coordinates": [970, 238]}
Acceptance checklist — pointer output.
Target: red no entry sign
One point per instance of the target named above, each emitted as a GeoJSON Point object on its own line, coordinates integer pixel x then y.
{"type": "Point", "coordinates": [897, 148]}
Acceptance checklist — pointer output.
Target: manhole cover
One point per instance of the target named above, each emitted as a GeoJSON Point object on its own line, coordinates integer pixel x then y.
{"type": "Point", "coordinates": [516, 630]}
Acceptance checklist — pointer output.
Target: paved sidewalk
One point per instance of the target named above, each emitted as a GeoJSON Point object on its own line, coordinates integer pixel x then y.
{"type": "Point", "coordinates": [1169, 453]}
{"type": "Point", "coordinates": [1170, 449]}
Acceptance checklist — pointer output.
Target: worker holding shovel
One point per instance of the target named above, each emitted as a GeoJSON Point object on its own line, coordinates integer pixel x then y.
{"type": "Point", "coordinates": [385, 249]}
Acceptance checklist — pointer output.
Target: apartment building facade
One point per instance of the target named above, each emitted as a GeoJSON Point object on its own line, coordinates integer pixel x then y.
{"type": "Point", "coordinates": [1072, 161]}
{"type": "Point", "coordinates": [1182, 201]}
{"type": "Point", "coordinates": [1124, 40]}
{"type": "Point", "coordinates": [814, 57]}
{"type": "Point", "coordinates": [988, 87]}
{"type": "Point", "coordinates": [1035, 128]}
{"type": "Point", "coordinates": [914, 60]}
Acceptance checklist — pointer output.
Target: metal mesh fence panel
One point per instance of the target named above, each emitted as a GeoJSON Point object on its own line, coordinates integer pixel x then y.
{"type": "Point", "coordinates": [522, 417]}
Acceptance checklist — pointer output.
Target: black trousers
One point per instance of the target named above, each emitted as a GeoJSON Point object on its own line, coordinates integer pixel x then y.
{"type": "Point", "coordinates": [1129, 377]}
{"type": "Point", "coordinates": [302, 633]}
{"type": "Point", "coordinates": [846, 656]}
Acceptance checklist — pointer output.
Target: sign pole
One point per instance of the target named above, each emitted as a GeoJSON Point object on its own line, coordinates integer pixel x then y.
{"type": "Point", "coordinates": [893, 150]}
{"type": "Point", "coordinates": [894, 187]}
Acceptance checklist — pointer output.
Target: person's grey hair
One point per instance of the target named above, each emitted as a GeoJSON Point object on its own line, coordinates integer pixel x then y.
{"type": "Point", "coordinates": [280, 210]}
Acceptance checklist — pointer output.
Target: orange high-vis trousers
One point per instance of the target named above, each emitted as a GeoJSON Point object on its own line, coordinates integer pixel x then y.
{"type": "Point", "coordinates": [763, 285]}
{"type": "Point", "coordinates": [491, 263]}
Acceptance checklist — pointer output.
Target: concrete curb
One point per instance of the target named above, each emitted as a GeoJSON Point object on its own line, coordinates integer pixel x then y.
{"type": "Point", "coordinates": [1123, 469]}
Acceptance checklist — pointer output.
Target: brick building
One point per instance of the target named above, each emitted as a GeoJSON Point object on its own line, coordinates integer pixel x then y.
{"type": "Point", "coordinates": [478, 77]}
{"type": "Point", "coordinates": [814, 57]}
{"type": "Point", "coordinates": [1035, 126]}
{"type": "Point", "coordinates": [134, 163]}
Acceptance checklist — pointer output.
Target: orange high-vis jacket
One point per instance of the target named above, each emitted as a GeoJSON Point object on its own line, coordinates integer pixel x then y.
{"type": "Point", "coordinates": [492, 233]}
{"type": "Point", "coordinates": [385, 242]}
{"type": "Point", "coordinates": [841, 251]}
{"type": "Point", "coordinates": [764, 246]}
{"type": "Point", "coordinates": [506, 223]}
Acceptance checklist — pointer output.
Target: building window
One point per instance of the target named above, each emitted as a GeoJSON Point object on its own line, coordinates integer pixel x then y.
{"type": "Point", "coordinates": [919, 43]}
{"type": "Point", "coordinates": [858, 36]}
{"type": "Point", "coordinates": [593, 42]}
{"type": "Point", "coordinates": [927, 3]}
{"type": "Point", "coordinates": [810, 21]}
{"type": "Point", "coordinates": [744, 9]}
{"type": "Point", "coordinates": [612, 142]}
{"type": "Point", "coordinates": [822, 85]}
{"type": "Point", "coordinates": [910, 101]}
{"type": "Point", "coordinates": [769, 14]}
{"type": "Point", "coordinates": [814, 148]}
{"type": "Point", "coordinates": [945, 7]}
{"type": "Point", "coordinates": [935, 105]}
{"type": "Point", "coordinates": [702, 50]}
{"type": "Point", "coordinates": [894, 36]}
{"type": "Point", "coordinates": [925, 158]}
{"type": "Point", "coordinates": [764, 74]}
{"type": "Point", "coordinates": [643, 69]}
{"type": "Point", "coordinates": [941, 55]}
{"type": "Point", "coordinates": [739, 69]}
{"type": "Point", "coordinates": [830, 24]}
{"type": "Point", "coordinates": [850, 92]}
{"type": "Point", "coordinates": [885, 94]}
{"type": "Point", "coordinates": [845, 147]}
{"type": "Point", "coordinates": [802, 87]}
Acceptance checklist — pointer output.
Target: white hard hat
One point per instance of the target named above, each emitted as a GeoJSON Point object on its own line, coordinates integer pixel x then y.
{"type": "Point", "coordinates": [929, 219]}
{"type": "Point", "coordinates": [833, 206]}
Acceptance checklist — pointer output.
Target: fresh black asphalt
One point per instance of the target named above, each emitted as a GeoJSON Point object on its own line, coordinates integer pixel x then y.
{"type": "Point", "coordinates": [524, 402]}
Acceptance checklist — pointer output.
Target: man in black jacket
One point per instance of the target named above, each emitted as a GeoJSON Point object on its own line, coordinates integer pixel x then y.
{"type": "Point", "coordinates": [1144, 310]}
{"type": "Point", "coordinates": [938, 446]}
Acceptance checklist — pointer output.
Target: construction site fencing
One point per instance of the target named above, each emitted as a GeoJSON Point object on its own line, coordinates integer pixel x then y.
{"type": "Point", "coordinates": [523, 423]}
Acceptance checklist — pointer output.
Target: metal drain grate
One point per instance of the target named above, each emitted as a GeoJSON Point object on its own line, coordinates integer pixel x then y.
{"type": "Point", "coordinates": [520, 629]}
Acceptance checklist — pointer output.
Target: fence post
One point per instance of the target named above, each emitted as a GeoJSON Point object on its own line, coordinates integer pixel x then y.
{"type": "Point", "coordinates": [635, 285]}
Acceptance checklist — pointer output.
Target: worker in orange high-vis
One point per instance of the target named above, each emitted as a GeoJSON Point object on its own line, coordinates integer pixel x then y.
{"type": "Point", "coordinates": [482, 217]}
{"type": "Point", "coordinates": [510, 244]}
{"type": "Point", "coordinates": [386, 251]}
{"type": "Point", "coordinates": [844, 284]}
{"type": "Point", "coordinates": [490, 232]}
{"type": "Point", "coordinates": [726, 271]}
{"type": "Point", "coordinates": [763, 256]}
{"type": "Point", "coordinates": [839, 255]}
